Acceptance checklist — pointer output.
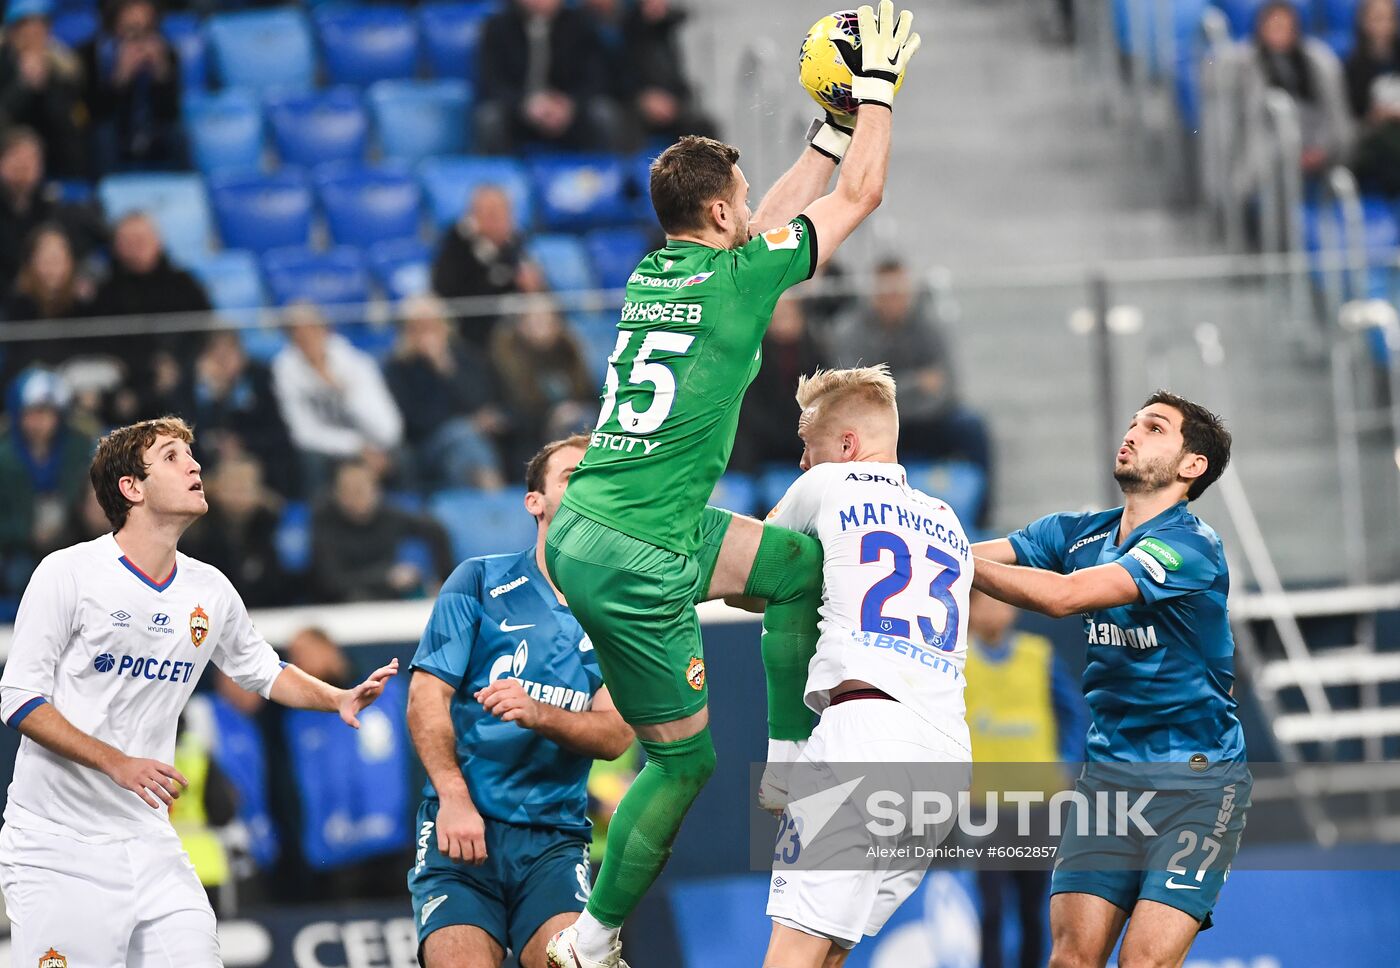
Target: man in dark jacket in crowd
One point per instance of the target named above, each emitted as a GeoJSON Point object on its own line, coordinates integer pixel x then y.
{"type": "Point", "coordinates": [25, 203]}
{"type": "Point", "coordinates": [540, 79]}
{"type": "Point", "coordinates": [133, 90]}
{"type": "Point", "coordinates": [359, 544]}
{"type": "Point", "coordinates": [143, 282]}
{"type": "Point", "coordinates": [40, 86]}
{"type": "Point", "coordinates": [482, 255]}
{"type": "Point", "coordinates": [654, 85]}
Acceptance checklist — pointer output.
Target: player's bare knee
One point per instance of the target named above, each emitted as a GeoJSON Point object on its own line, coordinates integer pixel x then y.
{"type": "Point", "coordinates": [1070, 956]}
{"type": "Point", "coordinates": [1147, 959]}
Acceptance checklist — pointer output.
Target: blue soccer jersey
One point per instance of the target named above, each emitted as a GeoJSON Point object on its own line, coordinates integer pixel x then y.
{"type": "Point", "coordinates": [1159, 671]}
{"type": "Point", "coordinates": [497, 617]}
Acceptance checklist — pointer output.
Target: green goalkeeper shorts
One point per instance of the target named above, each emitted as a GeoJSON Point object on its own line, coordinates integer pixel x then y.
{"type": "Point", "coordinates": [637, 603]}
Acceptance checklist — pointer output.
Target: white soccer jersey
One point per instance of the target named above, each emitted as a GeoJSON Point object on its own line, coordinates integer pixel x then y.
{"type": "Point", "coordinates": [118, 654]}
{"type": "Point", "coordinates": [897, 572]}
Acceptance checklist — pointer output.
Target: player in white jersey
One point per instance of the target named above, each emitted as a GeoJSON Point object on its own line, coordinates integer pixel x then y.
{"type": "Point", "coordinates": [887, 676]}
{"type": "Point", "coordinates": [112, 636]}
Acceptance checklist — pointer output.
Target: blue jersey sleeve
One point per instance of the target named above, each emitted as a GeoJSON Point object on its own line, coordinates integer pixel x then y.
{"type": "Point", "coordinates": [1041, 544]}
{"type": "Point", "coordinates": [446, 645]}
{"type": "Point", "coordinates": [1172, 562]}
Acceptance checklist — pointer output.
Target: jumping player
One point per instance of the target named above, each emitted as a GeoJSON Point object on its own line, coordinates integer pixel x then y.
{"type": "Point", "coordinates": [1151, 581]}
{"type": "Point", "coordinates": [111, 638]}
{"type": "Point", "coordinates": [634, 547]}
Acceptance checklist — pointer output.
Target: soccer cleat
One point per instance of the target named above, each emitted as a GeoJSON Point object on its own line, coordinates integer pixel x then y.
{"type": "Point", "coordinates": [562, 952]}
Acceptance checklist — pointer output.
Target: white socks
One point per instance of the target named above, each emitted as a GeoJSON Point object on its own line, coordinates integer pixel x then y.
{"type": "Point", "coordinates": [596, 941]}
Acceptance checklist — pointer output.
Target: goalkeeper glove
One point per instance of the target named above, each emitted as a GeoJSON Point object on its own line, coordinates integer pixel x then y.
{"type": "Point", "coordinates": [885, 48]}
{"type": "Point", "coordinates": [831, 135]}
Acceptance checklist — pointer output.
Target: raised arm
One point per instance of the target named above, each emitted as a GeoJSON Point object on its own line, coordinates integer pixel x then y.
{"type": "Point", "coordinates": [600, 732]}
{"type": "Point", "coordinates": [460, 830]}
{"type": "Point", "coordinates": [799, 186]}
{"type": "Point", "coordinates": [886, 46]}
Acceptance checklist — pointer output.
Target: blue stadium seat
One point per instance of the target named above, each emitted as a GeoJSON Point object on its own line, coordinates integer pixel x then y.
{"type": "Point", "coordinates": [73, 191]}
{"type": "Point", "coordinates": [176, 202]}
{"type": "Point", "coordinates": [362, 45]}
{"type": "Point", "coordinates": [419, 119]}
{"type": "Point", "coordinates": [450, 183]}
{"type": "Point", "coordinates": [262, 212]}
{"type": "Point", "coordinates": [313, 129]}
{"type": "Point", "coordinates": [564, 262]}
{"type": "Point", "coordinates": [737, 493]}
{"type": "Point", "coordinates": [483, 522]}
{"type": "Point", "coordinates": [639, 179]}
{"type": "Point", "coordinates": [597, 334]}
{"type": "Point", "coordinates": [450, 31]}
{"type": "Point", "coordinates": [962, 485]}
{"type": "Point", "coordinates": [325, 278]}
{"type": "Point", "coordinates": [265, 50]}
{"type": "Point", "coordinates": [402, 267]}
{"type": "Point", "coordinates": [75, 27]}
{"type": "Point", "coordinates": [579, 192]}
{"type": "Point", "coordinates": [368, 205]}
{"type": "Point", "coordinates": [293, 537]}
{"type": "Point", "coordinates": [225, 131]}
{"type": "Point", "coordinates": [234, 284]}
{"type": "Point", "coordinates": [186, 35]}
{"type": "Point", "coordinates": [615, 254]}
{"type": "Point", "coordinates": [773, 482]}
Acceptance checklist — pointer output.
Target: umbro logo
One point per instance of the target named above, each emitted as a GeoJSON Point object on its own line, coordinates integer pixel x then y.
{"type": "Point", "coordinates": [121, 616]}
{"type": "Point", "coordinates": [779, 882]}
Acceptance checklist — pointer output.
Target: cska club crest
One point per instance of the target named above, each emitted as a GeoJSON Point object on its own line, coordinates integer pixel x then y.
{"type": "Point", "coordinates": [52, 959]}
{"type": "Point", "coordinates": [199, 626]}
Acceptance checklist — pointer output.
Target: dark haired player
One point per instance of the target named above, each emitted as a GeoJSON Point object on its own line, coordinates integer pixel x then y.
{"type": "Point", "coordinates": [1150, 579]}
{"type": "Point", "coordinates": [111, 638]}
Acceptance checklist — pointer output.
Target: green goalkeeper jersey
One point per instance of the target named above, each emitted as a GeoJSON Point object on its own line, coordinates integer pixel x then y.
{"type": "Point", "coordinates": [688, 346]}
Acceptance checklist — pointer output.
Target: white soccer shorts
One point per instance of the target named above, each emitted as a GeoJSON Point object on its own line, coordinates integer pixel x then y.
{"type": "Point", "coordinates": [846, 905]}
{"type": "Point", "coordinates": [131, 904]}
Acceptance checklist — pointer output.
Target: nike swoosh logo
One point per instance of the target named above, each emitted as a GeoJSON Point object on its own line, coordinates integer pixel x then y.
{"type": "Point", "coordinates": [1173, 886]}
{"type": "Point", "coordinates": [432, 905]}
{"type": "Point", "coordinates": [507, 627]}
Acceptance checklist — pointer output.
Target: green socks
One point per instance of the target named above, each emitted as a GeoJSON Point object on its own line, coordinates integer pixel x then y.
{"type": "Point", "coordinates": [787, 571]}
{"type": "Point", "coordinates": [646, 823]}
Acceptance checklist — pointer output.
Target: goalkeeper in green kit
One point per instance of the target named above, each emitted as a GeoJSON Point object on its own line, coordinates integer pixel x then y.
{"type": "Point", "coordinates": [633, 546]}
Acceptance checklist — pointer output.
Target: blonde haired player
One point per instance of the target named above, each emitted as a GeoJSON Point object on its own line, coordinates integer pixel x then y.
{"type": "Point", "coordinates": [111, 638]}
{"type": "Point", "coordinates": [887, 675]}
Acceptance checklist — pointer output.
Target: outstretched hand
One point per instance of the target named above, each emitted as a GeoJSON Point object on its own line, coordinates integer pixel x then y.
{"type": "Point", "coordinates": [353, 701]}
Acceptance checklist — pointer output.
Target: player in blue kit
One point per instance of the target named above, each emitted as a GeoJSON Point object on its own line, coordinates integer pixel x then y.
{"type": "Point", "coordinates": [507, 710]}
{"type": "Point", "coordinates": [1151, 581]}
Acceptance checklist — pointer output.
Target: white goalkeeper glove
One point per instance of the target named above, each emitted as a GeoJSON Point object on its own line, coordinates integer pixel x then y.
{"type": "Point", "coordinates": [832, 135]}
{"type": "Point", "coordinates": [886, 45]}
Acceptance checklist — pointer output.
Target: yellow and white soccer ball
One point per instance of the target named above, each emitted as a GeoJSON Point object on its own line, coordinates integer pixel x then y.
{"type": "Point", "coordinates": [822, 68]}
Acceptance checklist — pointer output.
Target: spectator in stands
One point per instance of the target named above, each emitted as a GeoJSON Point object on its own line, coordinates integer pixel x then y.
{"type": "Point", "coordinates": [482, 255]}
{"type": "Point", "coordinates": [142, 282]}
{"type": "Point", "coordinates": [133, 90]}
{"type": "Point", "coordinates": [40, 86]}
{"type": "Point", "coordinates": [238, 535]}
{"type": "Point", "coordinates": [1373, 84]}
{"type": "Point", "coordinates": [364, 550]}
{"type": "Point", "coordinates": [770, 409]}
{"type": "Point", "coordinates": [898, 328]}
{"type": "Point", "coordinates": [544, 379]}
{"type": "Point", "coordinates": [651, 75]}
{"type": "Point", "coordinates": [230, 398]}
{"type": "Point", "coordinates": [333, 399]}
{"type": "Point", "coordinates": [446, 392]}
{"type": "Point", "coordinates": [1305, 69]}
{"type": "Point", "coordinates": [43, 462]}
{"type": "Point", "coordinates": [540, 79]}
{"type": "Point", "coordinates": [25, 204]}
{"type": "Point", "coordinates": [48, 287]}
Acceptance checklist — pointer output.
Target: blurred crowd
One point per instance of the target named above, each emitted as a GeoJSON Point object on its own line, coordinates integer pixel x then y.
{"type": "Point", "coordinates": [348, 435]}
